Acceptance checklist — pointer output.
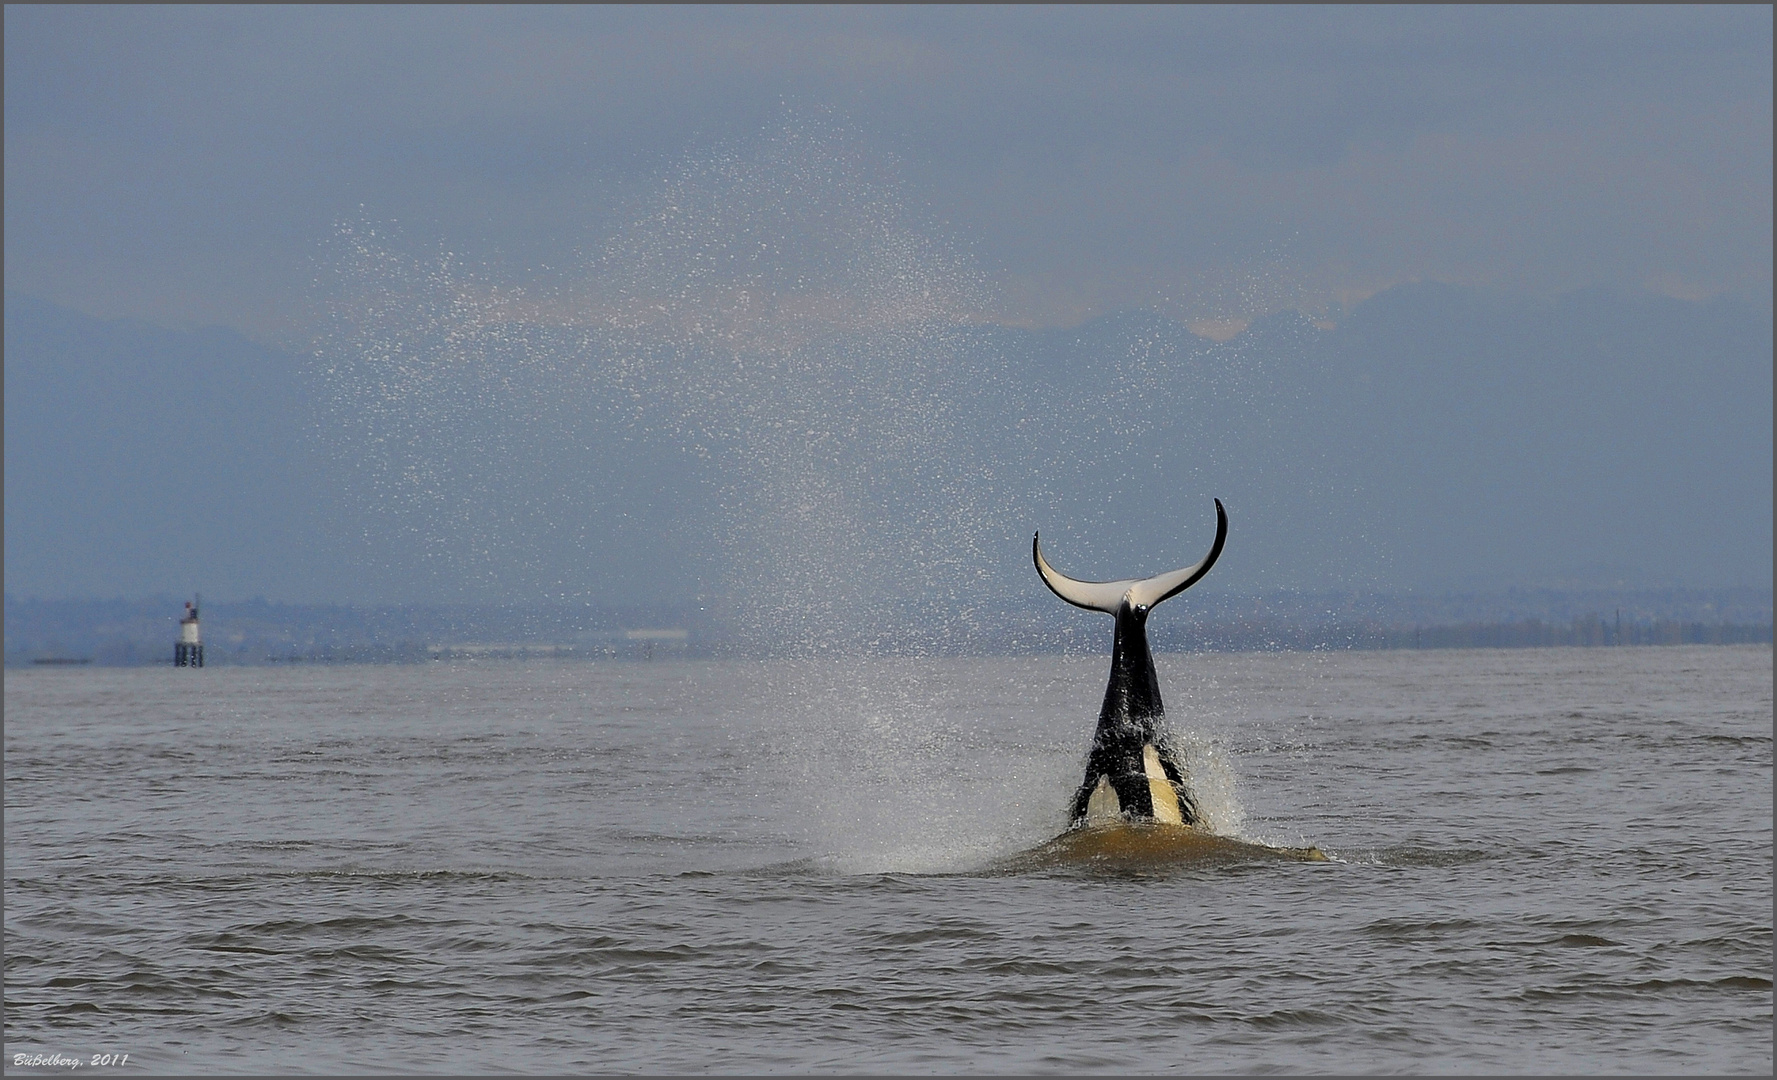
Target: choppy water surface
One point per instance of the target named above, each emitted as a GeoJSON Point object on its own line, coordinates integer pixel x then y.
{"type": "Point", "coordinates": [1548, 861]}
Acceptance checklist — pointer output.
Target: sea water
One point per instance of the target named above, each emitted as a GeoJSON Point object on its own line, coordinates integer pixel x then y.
{"type": "Point", "coordinates": [1542, 861]}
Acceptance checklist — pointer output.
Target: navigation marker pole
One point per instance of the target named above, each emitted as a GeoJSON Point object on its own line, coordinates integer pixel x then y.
{"type": "Point", "coordinates": [189, 650]}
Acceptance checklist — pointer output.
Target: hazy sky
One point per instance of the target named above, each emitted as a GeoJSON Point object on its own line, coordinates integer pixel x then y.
{"type": "Point", "coordinates": [184, 164]}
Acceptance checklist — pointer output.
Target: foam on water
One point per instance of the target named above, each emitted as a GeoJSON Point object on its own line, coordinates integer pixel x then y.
{"type": "Point", "coordinates": [891, 768]}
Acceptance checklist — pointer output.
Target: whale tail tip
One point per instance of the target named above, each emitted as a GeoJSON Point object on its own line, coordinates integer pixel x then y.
{"type": "Point", "coordinates": [1108, 596]}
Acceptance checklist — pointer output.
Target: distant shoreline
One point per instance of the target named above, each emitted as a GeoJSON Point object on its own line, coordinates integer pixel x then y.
{"type": "Point", "coordinates": [1529, 634]}
{"type": "Point", "coordinates": [141, 632]}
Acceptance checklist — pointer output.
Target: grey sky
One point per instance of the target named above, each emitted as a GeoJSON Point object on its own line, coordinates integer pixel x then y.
{"type": "Point", "coordinates": [183, 164]}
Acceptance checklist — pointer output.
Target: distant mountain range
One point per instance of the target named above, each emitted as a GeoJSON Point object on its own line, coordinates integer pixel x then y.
{"type": "Point", "coordinates": [1436, 440]}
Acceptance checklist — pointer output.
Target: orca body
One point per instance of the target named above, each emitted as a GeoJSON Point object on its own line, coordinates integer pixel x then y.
{"type": "Point", "coordinates": [1133, 772]}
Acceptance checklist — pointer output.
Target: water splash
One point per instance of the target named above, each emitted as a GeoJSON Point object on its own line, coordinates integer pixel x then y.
{"type": "Point", "coordinates": [776, 325]}
{"type": "Point", "coordinates": [779, 312]}
{"type": "Point", "coordinates": [1210, 774]}
{"type": "Point", "coordinates": [430, 401]}
{"type": "Point", "coordinates": [773, 395]}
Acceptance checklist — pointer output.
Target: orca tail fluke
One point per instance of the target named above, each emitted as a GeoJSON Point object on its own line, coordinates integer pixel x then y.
{"type": "Point", "coordinates": [1107, 596]}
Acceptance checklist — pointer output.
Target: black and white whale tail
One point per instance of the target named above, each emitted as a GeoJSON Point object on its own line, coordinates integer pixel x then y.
{"type": "Point", "coordinates": [1133, 771]}
{"type": "Point", "coordinates": [1146, 593]}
